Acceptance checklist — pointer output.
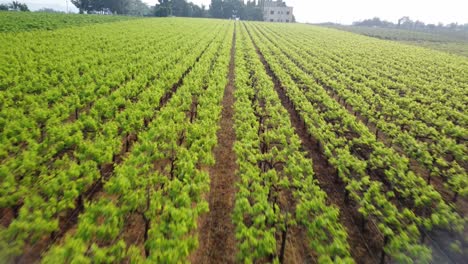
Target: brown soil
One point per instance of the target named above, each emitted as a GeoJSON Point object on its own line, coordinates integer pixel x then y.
{"type": "Point", "coordinates": [32, 254]}
{"type": "Point", "coordinates": [216, 230]}
{"type": "Point", "coordinates": [6, 216]}
{"type": "Point", "coordinates": [134, 231]}
{"type": "Point", "coordinates": [297, 249]}
{"type": "Point", "coordinates": [364, 247]}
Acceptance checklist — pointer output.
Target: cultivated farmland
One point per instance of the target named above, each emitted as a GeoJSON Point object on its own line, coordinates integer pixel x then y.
{"type": "Point", "coordinates": [212, 141]}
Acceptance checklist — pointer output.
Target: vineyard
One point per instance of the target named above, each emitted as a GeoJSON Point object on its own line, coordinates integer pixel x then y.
{"type": "Point", "coordinates": [20, 22]}
{"type": "Point", "coordinates": [212, 141]}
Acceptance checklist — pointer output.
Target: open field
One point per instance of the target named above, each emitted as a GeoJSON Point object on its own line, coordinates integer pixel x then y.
{"type": "Point", "coordinates": [212, 141]}
{"type": "Point", "coordinates": [448, 41]}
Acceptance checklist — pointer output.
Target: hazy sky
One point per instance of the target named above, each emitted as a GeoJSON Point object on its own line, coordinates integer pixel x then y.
{"type": "Point", "coordinates": [342, 11]}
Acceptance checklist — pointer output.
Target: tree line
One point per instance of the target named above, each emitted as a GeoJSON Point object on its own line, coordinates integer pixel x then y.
{"type": "Point", "coordinates": [120, 7]}
{"type": "Point", "coordinates": [15, 6]}
{"type": "Point", "coordinates": [217, 9]}
{"type": "Point", "coordinates": [249, 10]}
{"type": "Point", "coordinates": [407, 23]}
{"type": "Point", "coordinates": [229, 8]}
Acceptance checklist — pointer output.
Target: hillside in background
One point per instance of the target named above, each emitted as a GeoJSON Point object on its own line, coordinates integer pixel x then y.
{"type": "Point", "coordinates": [455, 42]}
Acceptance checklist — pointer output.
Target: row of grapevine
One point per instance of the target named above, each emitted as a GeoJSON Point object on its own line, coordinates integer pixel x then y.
{"type": "Point", "coordinates": [40, 133]}
{"type": "Point", "coordinates": [362, 163]}
{"type": "Point", "coordinates": [271, 165]}
{"type": "Point", "coordinates": [423, 71]}
{"type": "Point", "coordinates": [162, 180]}
{"type": "Point", "coordinates": [391, 114]}
{"type": "Point", "coordinates": [53, 186]}
{"type": "Point", "coordinates": [38, 114]}
{"type": "Point", "coordinates": [433, 81]}
{"type": "Point", "coordinates": [28, 21]}
{"type": "Point", "coordinates": [405, 164]}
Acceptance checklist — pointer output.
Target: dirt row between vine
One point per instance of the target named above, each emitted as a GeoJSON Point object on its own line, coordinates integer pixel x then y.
{"type": "Point", "coordinates": [364, 246]}
{"type": "Point", "coordinates": [216, 230]}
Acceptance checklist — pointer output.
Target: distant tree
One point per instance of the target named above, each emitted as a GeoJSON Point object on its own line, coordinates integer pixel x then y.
{"type": "Point", "coordinates": [406, 23]}
{"type": "Point", "coordinates": [199, 11]}
{"type": "Point", "coordinates": [431, 26]}
{"type": "Point", "coordinates": [403, 20]}
{"type": "Point", "coordinates": [49, 10]}
{"type": "Point", "coordinates": [216, 9]}
{"type": "Point", "coordinates": [117, 6]}
{"type": "Point", "coordinates": [232, 8]}
{"type": "Point", "coordinates": [163, 9]}
{"type": "Point", "coordinates": [138, 8]}
{"type": "Point", "coordinates": [82, 5]}
{"type": "Point", "coordinates": [251, 11]}
{"type": "Point", "coordinates": [24, 8]}
{"type": "Point", "coordinates": [452, 25]}
{"type": "Point", "coordinates": [98, 6]}
{"type": "Point", "coordinates": [180, 8]}
{"type": "Point", "coordinates": [15, 5]}
{"type": "Point", "coordinates": [419, 25]}
{"type": "Point", "coordinates": [374, 22]}
{"type": "Point", "coordinates": [130, 7]}
{"type": "Point", "coordinates": [4, 7]}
